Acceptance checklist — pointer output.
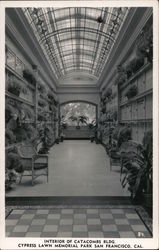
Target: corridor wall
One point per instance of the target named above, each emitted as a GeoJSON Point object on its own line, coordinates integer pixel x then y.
{"type": "Point", "coordinates": [131, 74]}
{"type": "Point", "coordinates": [31, 99]}
{"type": "Point", "coordinates": [87, 94]}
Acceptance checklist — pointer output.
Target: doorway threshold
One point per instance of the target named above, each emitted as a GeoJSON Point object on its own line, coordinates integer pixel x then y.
{"type": "Point", "coordinates": [68, 200]}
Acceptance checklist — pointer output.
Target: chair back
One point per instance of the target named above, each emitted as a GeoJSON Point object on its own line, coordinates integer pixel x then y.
{"type": "Point", "coordinates": [129, 147]}
{"type": "Point", "coordinates": [26, 151]}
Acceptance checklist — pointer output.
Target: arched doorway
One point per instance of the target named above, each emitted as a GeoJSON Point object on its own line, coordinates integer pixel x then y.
{"type": "Point", "coordinates": [78, 119]}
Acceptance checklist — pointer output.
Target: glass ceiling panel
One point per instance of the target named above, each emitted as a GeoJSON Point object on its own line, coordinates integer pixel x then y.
{"type": "Point", "coordinates": [78, 39]}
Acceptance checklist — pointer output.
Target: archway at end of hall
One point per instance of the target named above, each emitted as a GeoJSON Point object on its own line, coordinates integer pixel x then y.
{"type": "Point", "coordinates": [78, 119]}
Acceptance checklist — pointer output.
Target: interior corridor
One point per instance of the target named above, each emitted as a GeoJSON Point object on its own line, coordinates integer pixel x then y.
{"type": "Point", "coordinates": [79, 89]}
{"type": "Point", "coordinates": [76, 168]}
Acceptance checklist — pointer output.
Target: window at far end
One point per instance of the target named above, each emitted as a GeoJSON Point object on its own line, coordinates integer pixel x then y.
{"type": "Point", "coordinates": [78, 112]}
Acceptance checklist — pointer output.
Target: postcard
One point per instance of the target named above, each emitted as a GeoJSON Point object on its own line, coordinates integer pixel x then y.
{"type": "Point", "coordinates": [79, 125]}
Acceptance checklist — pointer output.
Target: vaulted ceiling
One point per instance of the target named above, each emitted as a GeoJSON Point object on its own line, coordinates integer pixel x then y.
{"type": "Point", "coordinates": [77, 42]}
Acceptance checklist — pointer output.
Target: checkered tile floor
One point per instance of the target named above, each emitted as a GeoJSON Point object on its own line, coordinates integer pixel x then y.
{"type": "Point", "coordinates": [76, 222]}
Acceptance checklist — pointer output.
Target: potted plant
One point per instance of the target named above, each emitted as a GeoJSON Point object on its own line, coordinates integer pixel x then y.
{"type": "Point", "coordinates": [28, 75]}
{"type": "Point", "coordinates": [113, 145]}
{"type": "Point", "coordinates": [50, 97]}
{"type": "Point", "coordinates": [61, 135]}
{"type": "Point", "coordinates": [135, 62]}
{"type": "Point", "coordinates": [147, 51]}
{"type": "Point", "coordinates": [10, 110]}
{"type": "Point", "coordinates": [42, 103]}
{"type": "Point", "coordinates": [123, 135]}
{"type": "Point", "coordinates": [92, 124]}
{"type": "Point", "coordinates": [41, 117]}
{"type": "Point", "coordinates": [131, 92]}
{"type": "Point", "coordinates": [74, 118]}
{"type": "Point", "coordinates": [10, 138]}
{"type": "Point", "coordinates": [17, 129]}
{"type": "Point", "coordinates": [117, 136]}
{"type": "Point", "coordinates": [129, 69]}
{"type": "Point", "coordinates": [136, 170]}
{"type": "Point", "coordinates": [82, 119]}
{"type": "Point", "coordinates": [103, 98]}
{"type": "Point", "coordinates": [45, 133]}
{"type": "Point", "coordinates": [41, 88]}
{"type": "Point", "coordinates": [92, 127]}
{"type": "Point", "coordinates": [103, 109]}
{"type": "Point", "coordinates": [108, 93]}
{"type": "Point", "coordinates": [147, 191]}
{"type": "Point", "coordinates": [43, 96]}
{"type": "Point", "coordinates": [64, 125]}
{"type": "Point", "coordinates": [14, 86]}
{"type": "Point", "coordinates": [57, 140]}
{"type": "Point", "coordinates": [55, 102]}
{"type": "Point", "coordinates": [24, 132]}
{"type": "Point", "coordinates": [63, 122]}
{"type": "Point", "coordinates": [121, 75]}
{"type": "Point", "coordinates": [53, 98]}
{"type": "Point", "coordinates": [79, 119]}
{"type": "Point", "coordinates": [92, 138]}
{"type": "Point", "coordinates": [26, 113]}
{"type": "Point", "coordinates": [51, 108]}
{"type": "Point", "coordinates": [10, 178]}
{"type": "Point", "coordinates": [13, 168]}
{"type": "Point", "coordinates": [114, 115]}
{"type": "Point", "coordinates": [145, 44]}
{"type": "Point", "coordinates": [98, 133]}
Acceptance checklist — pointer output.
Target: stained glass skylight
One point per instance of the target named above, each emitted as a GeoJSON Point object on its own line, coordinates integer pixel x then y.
{"type": "Point", "coordinates": [76, 39]}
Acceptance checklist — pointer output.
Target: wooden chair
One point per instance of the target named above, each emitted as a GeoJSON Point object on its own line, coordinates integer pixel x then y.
{"type": "Point", "coordinates": [116, 158]}
{"type": "Point", "coordinates": [129, 146]}
{"type": "Point", "coordinates": [34, 164]}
